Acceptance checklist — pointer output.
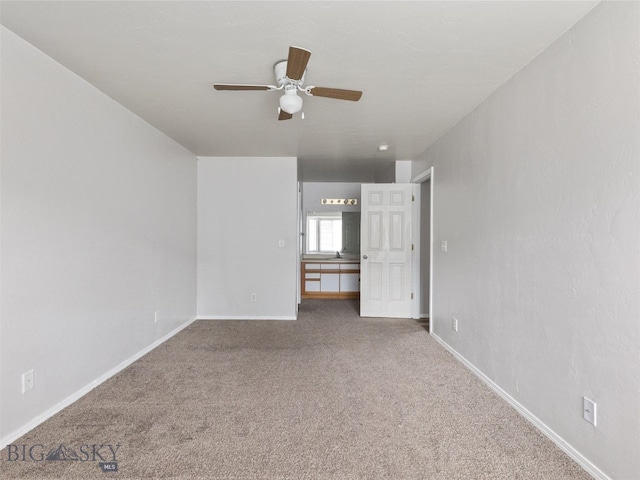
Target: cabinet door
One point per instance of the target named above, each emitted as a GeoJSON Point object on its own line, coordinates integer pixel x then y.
{"type": "Point", "coordinates": [349, 282]}
{"type": "Point", "coordinates": [330, 266]}
{"type": "Point", "coordinates": [330, 282]}
{"type": "Point", "coordinates": [311, 286]}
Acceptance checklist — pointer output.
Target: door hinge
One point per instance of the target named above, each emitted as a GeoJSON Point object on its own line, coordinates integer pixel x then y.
{"type": "Point", "coordinates": [412, 247]}
{"type": "Point", "coordinates": [413, 198]}
{"type": "Point", "coordinates": [412, 296]}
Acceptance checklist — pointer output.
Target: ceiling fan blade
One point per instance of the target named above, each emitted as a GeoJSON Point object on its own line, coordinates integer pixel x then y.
{"type": "Point", "coordinates": [284, 115]}
{"type": "Point", "coordinates": [230, 86]}
{"type": "Point", "coordinates": [297, 62]}
{"type": "Point", "coordinates": [337, 93]}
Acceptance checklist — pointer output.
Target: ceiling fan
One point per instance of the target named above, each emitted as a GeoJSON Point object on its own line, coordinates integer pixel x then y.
{"type": "Point", "coordinates": [289, 77]}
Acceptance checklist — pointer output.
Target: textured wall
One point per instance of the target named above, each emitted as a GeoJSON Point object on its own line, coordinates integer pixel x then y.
{"type": "Point", "coordinates": [98, 233]}
{"type": "Point", "coordinates": [537, 193]}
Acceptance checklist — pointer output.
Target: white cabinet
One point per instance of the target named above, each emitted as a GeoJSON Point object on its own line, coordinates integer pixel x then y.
{"type": "Point", "coordinates": [330, 282]}
{"type": "Point", "coordinates": [330, 279]}
{"type": "Point", "coordinates": [312, 283]}
{"type": "Point", "coordinates": [349, 282]}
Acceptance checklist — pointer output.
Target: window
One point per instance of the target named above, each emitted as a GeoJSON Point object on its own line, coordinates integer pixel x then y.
{"type": "Point", "coordinates": [324, 232]}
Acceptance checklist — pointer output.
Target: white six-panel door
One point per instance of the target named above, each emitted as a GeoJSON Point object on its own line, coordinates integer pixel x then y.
{"type": "Point", "coordinates": [385, 250]}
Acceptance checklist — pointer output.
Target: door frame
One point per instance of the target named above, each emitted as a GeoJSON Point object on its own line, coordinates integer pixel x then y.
{"type": "Point", "coordinates": [415, 306]}
{"type": "Point", "coordinates": [299, 249]}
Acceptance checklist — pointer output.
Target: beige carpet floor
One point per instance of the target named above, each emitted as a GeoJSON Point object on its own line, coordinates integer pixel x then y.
{"type": "Point", "coordinates": [330, 396]}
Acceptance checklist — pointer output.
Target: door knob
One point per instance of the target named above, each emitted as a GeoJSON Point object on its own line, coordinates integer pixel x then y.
{"type": "Point", "coordinates": [365, 257]}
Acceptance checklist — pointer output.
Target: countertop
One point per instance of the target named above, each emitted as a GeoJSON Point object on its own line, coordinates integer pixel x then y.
{"type": "Point", "coordinates": [329, 259]}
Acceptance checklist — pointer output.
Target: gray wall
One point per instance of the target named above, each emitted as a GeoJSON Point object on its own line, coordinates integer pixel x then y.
{"type": "Point", "coordinates": [537, 193]}
{"type": "Point", "coordinates": [98, 232]}
{"type": "Point", "coordinates": [313, 192]}
{"type": "Point", "coordinates": [246, 208]}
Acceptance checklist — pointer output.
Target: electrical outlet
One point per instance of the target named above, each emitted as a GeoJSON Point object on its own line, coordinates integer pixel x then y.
{"type": "Point", "coordinates": [454, 324]}
{"type": "Point", "coordinates": [280, 243]}
{"type": "Point", "coordinates": [444, 245]}
{"type": "Point", "coordinates": [156, 317]}
{"type": "Point", "coordinates": [589, 410]}
{"type": "Point", "coordinates": [27, 381]}
{"type": "Point", "coordinates": [253, 297]}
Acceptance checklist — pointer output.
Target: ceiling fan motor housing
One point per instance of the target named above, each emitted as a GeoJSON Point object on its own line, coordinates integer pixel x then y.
{"type": "Point", "coordinates": [280, 70]}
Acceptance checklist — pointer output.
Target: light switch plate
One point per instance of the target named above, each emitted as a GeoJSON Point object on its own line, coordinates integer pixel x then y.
{"type": "Point", "coordinates": [27, 381]}
{"type": "Point", "coordinates": [589, 410]}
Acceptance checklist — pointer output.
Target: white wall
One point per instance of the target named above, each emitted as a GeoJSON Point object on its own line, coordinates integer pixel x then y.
{"type": "Point", "coordinates": [537, 193]}
{"type": "Point", "coordinates": [403, 171]}
{"type": "Point", "coordinates": [98, 231]}
{"type": "Point", "coordinates": [246, 206]}
{"type": "Point", "coordinates": [314, 192]}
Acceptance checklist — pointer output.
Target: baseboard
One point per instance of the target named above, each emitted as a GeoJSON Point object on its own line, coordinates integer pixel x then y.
{"type": "Point", "coordinates": [590, 468]}
{"type": "Point", "coordinates": [244, 317]}
{"type": "Point", "coordinates": [87, 388]}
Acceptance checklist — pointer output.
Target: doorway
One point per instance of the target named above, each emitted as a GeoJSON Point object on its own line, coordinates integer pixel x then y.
{"type": "Point", "coordinates": [423, 263]}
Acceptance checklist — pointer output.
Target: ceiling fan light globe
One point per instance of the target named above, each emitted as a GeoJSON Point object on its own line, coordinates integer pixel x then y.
{"type": "Point", "coordinates": [290, 103]}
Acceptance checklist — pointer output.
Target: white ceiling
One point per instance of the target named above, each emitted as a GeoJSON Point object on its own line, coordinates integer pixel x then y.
{"type": "Point", "coordinates": [422, 65]}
